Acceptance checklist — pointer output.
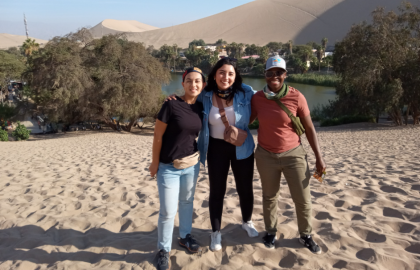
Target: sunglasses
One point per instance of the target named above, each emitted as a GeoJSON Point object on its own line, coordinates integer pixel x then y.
{"type": "Point", "coordinates": [277, 73]}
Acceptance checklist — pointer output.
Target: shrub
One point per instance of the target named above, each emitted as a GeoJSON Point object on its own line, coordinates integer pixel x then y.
{"type": "Point", "coordinates": [4, 137]}
{"type": "Point", "coordinates": [347, 119]}
{"type": "Point", "coordinates": [314, 79]}
{"type": "Point", "coordinates": [21, 132]}
{"type": "Point", "coordinates": [254, 124]}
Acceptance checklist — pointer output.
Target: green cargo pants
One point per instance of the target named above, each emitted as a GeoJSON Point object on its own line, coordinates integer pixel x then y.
{"type": "Point", "coordinates": [294, 165]}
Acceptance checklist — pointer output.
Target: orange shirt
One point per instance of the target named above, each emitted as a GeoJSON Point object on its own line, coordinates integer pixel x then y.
{"type": "Point", "coordinates": [276, 133]}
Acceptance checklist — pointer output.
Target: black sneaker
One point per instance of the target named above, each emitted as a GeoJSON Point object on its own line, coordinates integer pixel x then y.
{"type": "Point", "coordinates": [269, 240]}
{"type": "Point", "coordinates": [308, 242]}
{"type": "Point", "coordinates": [190, 243]}
{"type": "Point", "coordinates": [163, 260]}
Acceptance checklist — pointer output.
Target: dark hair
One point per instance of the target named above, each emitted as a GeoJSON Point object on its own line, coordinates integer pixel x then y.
{"type": "Point", "coordinates": [211, 82]}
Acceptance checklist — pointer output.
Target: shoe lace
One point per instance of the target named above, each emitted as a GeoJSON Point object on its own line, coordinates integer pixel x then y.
{"type": "Point", "coordinates": [310, 241]}
{"type": "Point", "coordinates": [163, 258]}
{"type": "Point", "coordinates": [250, 224]}
{"type": "Point", "coordinates": [192, 239]}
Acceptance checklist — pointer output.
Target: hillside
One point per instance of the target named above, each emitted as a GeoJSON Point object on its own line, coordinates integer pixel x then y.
{"type": "Point", "coordinates": [262, 21]}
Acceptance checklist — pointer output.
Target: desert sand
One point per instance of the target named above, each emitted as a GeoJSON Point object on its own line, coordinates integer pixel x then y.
{"type": "Point", "coordinates": [85, 200]}
{"type": "Point", "coordinates": [262, 21]}
{"type": "Point", "coordinates": [8, 40]}
{"type": "Point", "coordinates": [110, 26]}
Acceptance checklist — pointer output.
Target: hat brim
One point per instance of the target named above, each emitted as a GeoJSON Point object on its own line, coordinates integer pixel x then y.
{"type": "Point", "coordinates": [276, 67]}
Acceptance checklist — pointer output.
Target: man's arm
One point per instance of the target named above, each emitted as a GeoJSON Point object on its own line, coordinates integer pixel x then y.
{"type": "Point", "coordinates": [313, 141]}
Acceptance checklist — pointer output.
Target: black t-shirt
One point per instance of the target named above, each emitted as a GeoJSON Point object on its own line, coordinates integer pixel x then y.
{"type": "Point", "coordinates": [184, 123]}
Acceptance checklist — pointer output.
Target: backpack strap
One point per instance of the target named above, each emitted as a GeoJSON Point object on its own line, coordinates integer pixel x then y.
{"type": "Point", "coordinates": [288, 112]}
{"type": "Point", "coordinates": [222, 111]}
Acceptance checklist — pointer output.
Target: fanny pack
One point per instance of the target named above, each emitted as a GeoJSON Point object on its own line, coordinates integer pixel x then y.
{"type": "Point", "coordinates": [232, 134]}
{"type": "Point", "coordinates": [186, 162]}
{"type": "Point", "coordinates": [297, 125]}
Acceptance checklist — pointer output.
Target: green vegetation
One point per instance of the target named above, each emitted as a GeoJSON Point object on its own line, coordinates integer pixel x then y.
{"type": "Point", "coordinates": [378, 67]}
{"type": "Point", "coordinates": [21, 133]}
{"type": "Point", "coordinates": [323, 115]}
{"type": "Point", "coordinates": [347, 119]}
{"type": "Point", "coordinates": [4, 136]}
{"type": "Point", "coordinates": [6, 111]}
{"type": "Point", "coordinates": [11, 67]}
{"type": "Point", "coordinates": [254, 124]}
{"type": "Point", "coordinates": [314, 79]}
{"type": "Point", "coordinates": [76, 78]}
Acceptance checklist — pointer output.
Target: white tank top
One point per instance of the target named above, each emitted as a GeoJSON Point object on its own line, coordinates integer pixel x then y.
{"type": "Point", "coordinates": [217, 128]}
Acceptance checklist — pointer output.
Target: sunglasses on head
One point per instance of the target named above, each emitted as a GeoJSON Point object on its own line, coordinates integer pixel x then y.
{"type": "Point", "coordinates": [277, 73]}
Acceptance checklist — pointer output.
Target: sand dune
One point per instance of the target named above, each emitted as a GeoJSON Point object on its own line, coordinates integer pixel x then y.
{"type": "Point", "coordinates": [86, 201]}
{"type": "Point", "coordinates": [262, 21]}
{"type": "Point", "coordinates": [8, 40]}
{"type": "Point", "coordinates": [119, 26]}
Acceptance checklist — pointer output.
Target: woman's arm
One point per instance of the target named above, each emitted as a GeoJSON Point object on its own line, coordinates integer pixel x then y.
{"type": "Point", "coordinates": [160, 129]}
{"type": "Point", "coordinates": [313, 141]}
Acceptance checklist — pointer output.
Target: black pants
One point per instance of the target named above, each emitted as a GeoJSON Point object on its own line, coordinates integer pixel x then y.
{"type": "Point", "coordinates": [220, 156]}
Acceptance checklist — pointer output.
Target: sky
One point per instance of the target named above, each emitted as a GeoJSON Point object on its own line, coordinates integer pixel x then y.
{"type": "Point", "coordinates": [49, 18]}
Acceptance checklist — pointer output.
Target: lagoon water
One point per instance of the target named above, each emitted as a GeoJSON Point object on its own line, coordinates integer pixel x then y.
{"type": "Point", "coordinates": [314, 94]}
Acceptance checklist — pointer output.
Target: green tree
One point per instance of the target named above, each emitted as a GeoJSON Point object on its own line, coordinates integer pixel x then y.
{"type": "Point", "coordinates": [301, 57]}
{"type": "Point", "coordinates": [274, 46]}
{"type": "Point", "coordinates": [263, 53]}
{"type": "Point", "coordinates": [378, 64]}
{"type": "Point", "coordinates": [289, 46]}
{"type": "Point", "coordinates": [101, 79]}
{"type": "Point", "coordinates": [221, 42]}
{"type": "Point", "coordinates": [11, 67]}
{"type": "Point", "coordinates": [197, 42]}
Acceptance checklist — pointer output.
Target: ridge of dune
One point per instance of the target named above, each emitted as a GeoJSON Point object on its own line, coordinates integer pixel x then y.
{"type": "Point", "coordinates": [8, 40]}
{"type": "Point", "coordinates": [262, 21]}
{"type": "Point", "coordinates": [110, 26]}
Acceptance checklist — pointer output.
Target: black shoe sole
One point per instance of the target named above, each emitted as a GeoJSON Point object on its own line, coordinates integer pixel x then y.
{"type": "Point", "coordinates": [191, 251]}
{"type": "Point", "coordinates": [303, 243]}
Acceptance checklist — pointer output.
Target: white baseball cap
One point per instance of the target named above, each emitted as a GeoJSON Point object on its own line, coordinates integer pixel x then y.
{"type": "Point", "coordinates": [275, 62]}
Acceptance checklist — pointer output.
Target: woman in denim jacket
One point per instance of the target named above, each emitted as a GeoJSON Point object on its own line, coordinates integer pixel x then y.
{"type": "Point", "coordinates": [225, 81]}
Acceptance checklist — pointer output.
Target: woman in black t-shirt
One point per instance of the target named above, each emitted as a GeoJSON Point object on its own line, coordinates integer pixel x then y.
{"type": "Point", "coordinates": [176, 130]}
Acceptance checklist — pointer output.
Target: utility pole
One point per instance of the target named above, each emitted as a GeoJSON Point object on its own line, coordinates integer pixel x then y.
{"type": "Point", "coordinates": [26, 26]}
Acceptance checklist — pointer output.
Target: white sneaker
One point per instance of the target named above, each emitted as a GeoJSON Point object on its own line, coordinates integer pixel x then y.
{"type": "Point", "coordinates": [250, 229]}
{"type": "Point", "coordinates": [216, 241]}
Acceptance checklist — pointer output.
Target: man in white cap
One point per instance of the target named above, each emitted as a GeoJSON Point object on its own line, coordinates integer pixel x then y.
{"type": "Point", "coordinates": [280, 150]}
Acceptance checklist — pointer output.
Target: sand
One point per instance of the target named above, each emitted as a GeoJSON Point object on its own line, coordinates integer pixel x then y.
{"type": "Point", "coordinates": [8, 40]}
{"type": "Point", "coordinates": [262, 21]}
{"type": "Point", "coordinates": [110, 26]}
{"type": "Point", "coordinates": [85, 200]}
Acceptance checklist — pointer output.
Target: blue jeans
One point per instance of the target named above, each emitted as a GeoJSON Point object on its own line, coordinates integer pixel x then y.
{"type": "Point", "coordinates": [175, 186]}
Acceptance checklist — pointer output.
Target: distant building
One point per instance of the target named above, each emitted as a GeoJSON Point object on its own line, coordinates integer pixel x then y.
{"type": "Point", "coordinates": [208, 47]}
{"type": "Point", "coordinates": [329, 51]}
{"type": "Point", "coordinates": [251, 56]}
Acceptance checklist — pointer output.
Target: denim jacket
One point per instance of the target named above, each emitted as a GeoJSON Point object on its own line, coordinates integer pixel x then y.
{"type": "Point", "coordinates": [242, 108]}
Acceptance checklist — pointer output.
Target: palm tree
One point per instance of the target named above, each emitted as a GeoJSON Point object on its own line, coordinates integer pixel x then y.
{"type": "Point", "coordinates": [30, 46]}
{"type": "Point", "coordinates": [290, 46]}
{"type": "Point", "coordinates": [175, 54]}
{"type": "Point", "coordinates": [324, 43]}
{"type": "Point", "coordinates": [241, 47]}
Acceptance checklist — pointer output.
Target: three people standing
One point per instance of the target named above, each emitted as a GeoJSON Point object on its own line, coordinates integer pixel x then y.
{"type": "Point", "coordinates": [227, 100]}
